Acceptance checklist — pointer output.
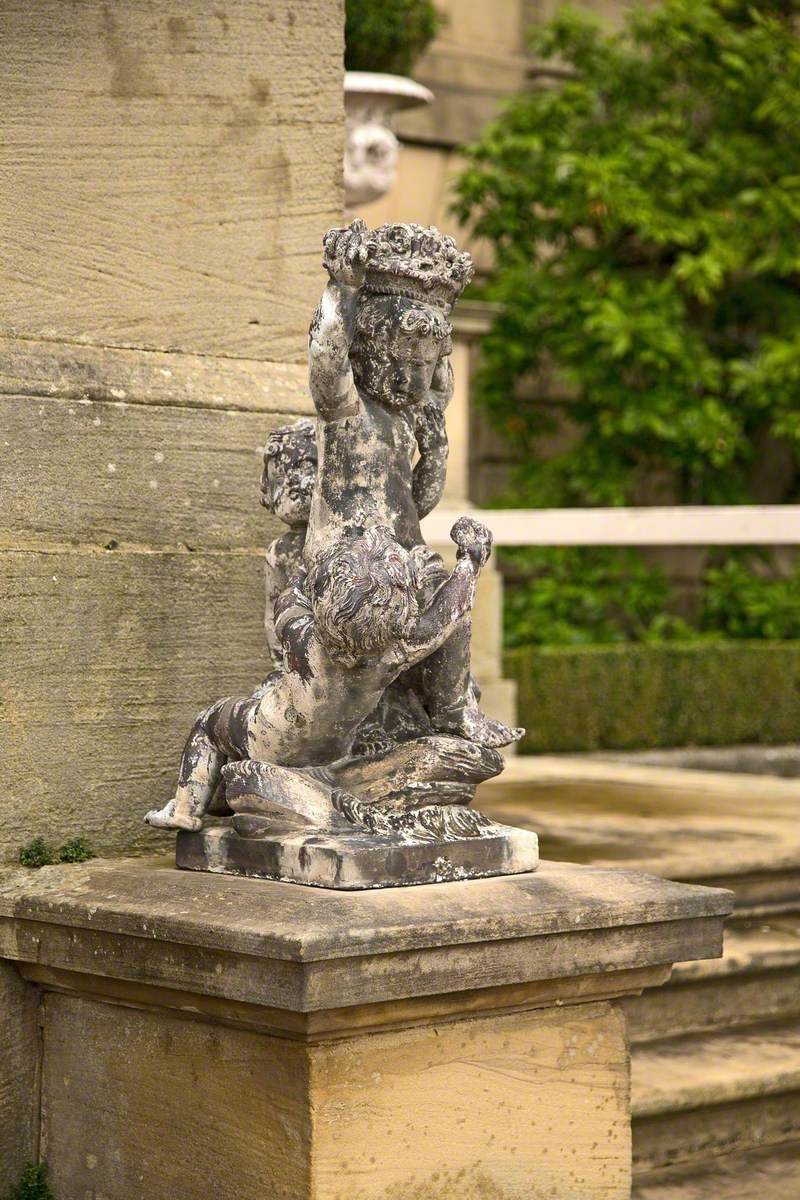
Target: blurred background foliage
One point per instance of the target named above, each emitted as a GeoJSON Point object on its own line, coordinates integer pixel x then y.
{"type": "Point", "coordinates": [642, 201]}
{"type": "Point", "coordinates": [577, 596]}
{"type": "Point", "coordinates": [388, 36]}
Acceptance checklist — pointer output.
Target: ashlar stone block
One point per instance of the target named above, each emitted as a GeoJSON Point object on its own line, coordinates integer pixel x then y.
{"type": "Point", "coordinates": [502, 1107]}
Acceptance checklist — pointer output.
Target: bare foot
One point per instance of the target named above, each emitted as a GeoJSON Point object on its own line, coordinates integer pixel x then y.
{"type": "Point", "coordinates": [470, 723]}
{"type": "Point", "coordinates": [170, 817]}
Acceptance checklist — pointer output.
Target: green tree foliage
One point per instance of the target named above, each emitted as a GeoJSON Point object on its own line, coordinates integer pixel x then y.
{"type": "Point", "coordinates": [744, 603]}
{"type": "Point", "coordinates": [596, 596]}
{"type": "Point", "coordinates": [643, 203]}
{"type": "Point", "coordinates": [388, 35]}
{"type": "Point", "coordinates": [32, 1185]}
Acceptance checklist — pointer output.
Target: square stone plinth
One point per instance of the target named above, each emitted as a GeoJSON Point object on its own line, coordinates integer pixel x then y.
{"type": "Point", "coordinates": [356, 861]}
{"type": "Point", "coordinates": [218, 1036]}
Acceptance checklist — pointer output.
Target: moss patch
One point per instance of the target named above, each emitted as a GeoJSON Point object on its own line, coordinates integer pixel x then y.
{"type": "Point", "coordinates": [632, 696]}
{"type": "Point", "coordinates": [38, 854]}
{"type": "Point", "coordinates": [32, 1185]}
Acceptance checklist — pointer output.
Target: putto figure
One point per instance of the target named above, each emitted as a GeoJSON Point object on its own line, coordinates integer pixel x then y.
{"type": "Point", "coordinates": [346, 632]}
{"type": "Point", "coordinates": [380, 374]}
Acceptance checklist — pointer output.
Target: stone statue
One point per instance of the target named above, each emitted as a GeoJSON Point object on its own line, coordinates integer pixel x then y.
{"type": "Point", "coordinates": [370, 160]}
{"type": "Point", "coordinates": [353, 764]}
{"type": "Point", "coordinates": [371, 147]}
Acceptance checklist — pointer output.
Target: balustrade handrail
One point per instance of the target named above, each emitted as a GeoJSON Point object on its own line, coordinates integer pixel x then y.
{"type": "Point", "coordinates": [679, 525]}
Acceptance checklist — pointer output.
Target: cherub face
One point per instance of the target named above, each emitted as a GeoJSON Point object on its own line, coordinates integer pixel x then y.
{"type": "Point", "coordinates": [290, 472]}
{"type": "Point", "coordinates": [396, 348]}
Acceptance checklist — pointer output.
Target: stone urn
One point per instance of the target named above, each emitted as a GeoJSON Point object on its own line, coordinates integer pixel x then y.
{"type": "Point", "coordinates": [370, 158]}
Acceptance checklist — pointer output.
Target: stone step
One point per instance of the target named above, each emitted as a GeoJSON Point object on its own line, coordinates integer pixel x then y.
{"type": "Point", "coordinates": [757, 980]}
{"type": "Point", "coordinates": [770, 1173]}
{"type": "Point", "coordinates": [707, 1094]}
{"type": "Point", "coordinates": [716, 1052]}
{"type": "Point", "coordinates": [727, 830]}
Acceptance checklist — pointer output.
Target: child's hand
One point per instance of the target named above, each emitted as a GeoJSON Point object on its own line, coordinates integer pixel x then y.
{"type": "Point", "coordinates": [429, 427]}
{"type": "Point", "coordinates": [473, 539]}
{"type": "Point", "coordinates": [442, 382]}
{"type": "Point", "coordinates": [345, 253]}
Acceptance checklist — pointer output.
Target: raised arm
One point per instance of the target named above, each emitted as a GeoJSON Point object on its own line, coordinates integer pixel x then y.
{"type": "Point", "coordinates": [275, 582]}
{"type": "Point", "coordinates": [452, 602]}
{"type": "Point", "coordinates": [330, 374]}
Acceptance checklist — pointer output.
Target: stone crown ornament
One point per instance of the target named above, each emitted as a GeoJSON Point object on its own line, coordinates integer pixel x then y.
{"type": "Point", "coordinates": [416, 261]}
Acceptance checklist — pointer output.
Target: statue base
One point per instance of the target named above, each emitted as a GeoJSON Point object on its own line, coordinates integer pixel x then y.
{"type": "Point", "coordinates": [264, 1040]}
{"type": "Point", "coordinates": [358, 860]}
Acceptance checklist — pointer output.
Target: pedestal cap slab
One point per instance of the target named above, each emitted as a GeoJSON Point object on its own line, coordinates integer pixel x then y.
{"type": "Point", "coordinates": [303, 950]}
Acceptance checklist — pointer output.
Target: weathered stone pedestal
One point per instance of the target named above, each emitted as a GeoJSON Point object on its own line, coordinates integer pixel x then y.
{"type": "Point", "coordinates": [217, 1036]}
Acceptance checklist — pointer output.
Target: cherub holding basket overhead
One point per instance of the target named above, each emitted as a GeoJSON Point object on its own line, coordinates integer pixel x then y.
{"type": "Point", "coordinates": [380, 376]}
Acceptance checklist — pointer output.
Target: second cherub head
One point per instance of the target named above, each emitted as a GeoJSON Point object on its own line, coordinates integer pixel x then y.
{"type": "Point", "coordinates": [290, 472]}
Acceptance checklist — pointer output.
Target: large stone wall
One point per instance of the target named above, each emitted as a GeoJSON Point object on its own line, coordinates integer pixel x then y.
{"type": "Point", "coordinates": [19, 1067]}
{"type": "Point", "coordinates": [168, 174]}
{"type": "Point", "coordinates": [167, 169]}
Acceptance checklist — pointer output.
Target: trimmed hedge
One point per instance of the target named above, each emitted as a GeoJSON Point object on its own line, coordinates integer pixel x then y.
{"type": "Point", "coordinates": [632, 696]}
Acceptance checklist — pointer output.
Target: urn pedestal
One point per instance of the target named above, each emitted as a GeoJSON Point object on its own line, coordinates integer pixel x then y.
{"type": "Point", "coordinates": [371, 100]}
{"type": "Point", "coordinates": [244, 1039]}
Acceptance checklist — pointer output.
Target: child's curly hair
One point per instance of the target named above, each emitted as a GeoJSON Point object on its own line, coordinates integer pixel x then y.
{"type": "Point", "coordinates": [412, 316]}
{"type": "Point", "coordinates": [363, 593]}
{"type": "Point", "coordinates": [280, 440]}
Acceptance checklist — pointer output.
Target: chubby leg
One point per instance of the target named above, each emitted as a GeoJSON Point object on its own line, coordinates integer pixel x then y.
{"type": "Point", "coordinates": [270, 796]}
{"type": "Point", "coordinates": [445, 684]}
{"type": "Point", "coordinates": [202, 761]}
{"type": "Point", "coordinates": [451, 700]}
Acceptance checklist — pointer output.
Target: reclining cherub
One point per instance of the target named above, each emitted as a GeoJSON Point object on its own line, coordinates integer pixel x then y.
{"type": "Point", "coordinates": [347, 629]}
